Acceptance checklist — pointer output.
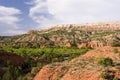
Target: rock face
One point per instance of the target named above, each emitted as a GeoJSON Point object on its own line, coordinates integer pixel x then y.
{"type": "Point", "coordinates": [93, 44]}
{"type": "Point", "coordinates": [68, 45]}
{"type": "Point", "coordinates": [70, 35]}
{"type": "Point", "coordinates": [89, 26]}
{"type": "Point", "coordinates": [2, 43]}
{"type": "Point", "coordinates": [50, 73]}
{"type": "Point", "coordinates": [84, 67]}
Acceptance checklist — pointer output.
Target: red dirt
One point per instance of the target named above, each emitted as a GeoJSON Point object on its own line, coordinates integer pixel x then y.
{"type": "Point", "coordinates": [84, 67]}
{"type": "Point", "coordinates": [12, 58]}
{"type": "Point", "coordinates": [102, 52]}
{"type": "Point", "coordinates": [87, 75]}
{"type": "Point", "coordinates": [2, 72]}
{"type": "Point", "coordinates": [51, 73]}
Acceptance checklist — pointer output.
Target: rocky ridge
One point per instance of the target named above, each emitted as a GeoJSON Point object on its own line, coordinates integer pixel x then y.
{"type": "Point", "coordinates": [68, 35]}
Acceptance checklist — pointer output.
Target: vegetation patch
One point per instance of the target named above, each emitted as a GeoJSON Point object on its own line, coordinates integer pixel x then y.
{"type": "Point", "coordinates": [34, 60]}
{"type": "Point", "coordinates": [105, 76]}
{"type": "Point", "coordinates": [105, 61]}
{"type": "Point", "coordinates": [116, 44]}
{"type": "Point", "coordinates": [115, 50]}
{"type": "Point", "coordinates": [108, 75]}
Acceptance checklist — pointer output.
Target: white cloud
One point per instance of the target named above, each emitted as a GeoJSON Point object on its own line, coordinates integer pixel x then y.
{"type": "Point", "coordinates": [8, 15]}
{"type": "Point", "coordinates": [41, 15]}
{"type": "Point", "coordinates": [52, 12]}
{"type": "Point", "coordinates": [11, 32]}
{"type": "Point", "coordinates": [9, 20]}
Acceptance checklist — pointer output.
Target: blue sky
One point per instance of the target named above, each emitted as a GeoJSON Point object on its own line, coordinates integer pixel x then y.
{"type": "Point", "coordinates": [19, 16]}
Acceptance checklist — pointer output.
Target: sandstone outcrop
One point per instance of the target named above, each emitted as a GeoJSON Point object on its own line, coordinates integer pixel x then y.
{"type": "Point", "coordinates": [93, 44]}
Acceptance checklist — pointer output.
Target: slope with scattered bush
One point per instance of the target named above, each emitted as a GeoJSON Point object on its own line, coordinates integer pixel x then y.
{"type": "Point", "coordinates": [71, 35]}
{"type": "Point", "coordinates": [98, 64]}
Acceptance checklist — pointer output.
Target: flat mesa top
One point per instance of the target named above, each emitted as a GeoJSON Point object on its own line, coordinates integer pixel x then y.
{"type": "Point", "coordinates": [87, 27]}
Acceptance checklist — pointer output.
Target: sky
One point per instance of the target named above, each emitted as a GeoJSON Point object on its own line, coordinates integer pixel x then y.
{"type": "Point", "coordinates": [19, 16]}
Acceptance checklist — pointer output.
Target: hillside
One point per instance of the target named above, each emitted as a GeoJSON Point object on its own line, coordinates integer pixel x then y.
{"type": "Point", "coordinates": [63, 52]}
{"type": "Point", "coordinates": [85, 67]}
{"type": "Point", "coordinates": [69, 35]}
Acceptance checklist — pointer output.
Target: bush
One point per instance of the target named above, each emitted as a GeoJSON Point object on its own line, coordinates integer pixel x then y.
{"type": "Point", "coordinates": [20, 78]}
{"type": "Point", "coordinates": [7, 76]}
{"type": "Point", "coordinates": [115, 78]}
{"type": "Point", "coordinates": [116, 44]}
{"type": "Point", "coordinates": [34, 70]}
{"type": "Point", "coordinates": [105, 61]}
{"type": "Point", "coordinates": [108, 76]}
{"type": "Point", "coordinates": [115, 50]}
{"type": "Point", "coordinates": [104, 75]}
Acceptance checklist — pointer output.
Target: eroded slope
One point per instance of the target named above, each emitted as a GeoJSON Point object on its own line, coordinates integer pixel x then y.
{"type": "Point", "coordinates": [85, 67]}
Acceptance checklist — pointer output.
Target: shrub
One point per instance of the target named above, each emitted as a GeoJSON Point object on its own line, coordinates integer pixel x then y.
{"type": "Point", "coordinates": [104, 75]}
{"type": "Point", "coordinates": [34, 70]}
{"type": "Point", "coordinates": [116, 44]}
{"type": "Point", "coordinates": [29, 76]}
{"type": "Point", "coordinates": [20, 78]}
{"type": "Point", "coordinates": [105, 61]}
{"type": "Point", "coordinates": [115, 50]}
{"type": "Point", "coordinates": [7, 76]}
{"type": "Point", "coordinates": [115, 78]}
{"type": "Point", "coordinates": [108, 76]}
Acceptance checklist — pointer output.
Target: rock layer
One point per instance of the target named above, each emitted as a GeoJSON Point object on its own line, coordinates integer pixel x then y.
{"type": "Point", "coordinates": [69, 35]}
